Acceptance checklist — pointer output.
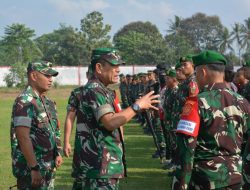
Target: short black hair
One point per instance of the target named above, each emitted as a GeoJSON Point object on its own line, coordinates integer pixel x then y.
{"type": "Point", "coordinates": [216, 67]}
{"type": "Point", "coordinates": [94, 62]}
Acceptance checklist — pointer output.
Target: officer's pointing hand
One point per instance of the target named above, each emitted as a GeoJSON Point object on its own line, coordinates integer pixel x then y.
{"type": "Point", "coordinates": [148, 101]}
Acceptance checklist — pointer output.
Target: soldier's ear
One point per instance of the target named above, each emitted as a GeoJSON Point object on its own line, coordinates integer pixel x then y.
{"type": "Point", "coordinates": [98, 68]}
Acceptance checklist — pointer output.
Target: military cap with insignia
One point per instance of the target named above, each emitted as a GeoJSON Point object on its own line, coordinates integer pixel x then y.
{"type": "Point", "coordinates": [108, 54]}
{"type": "Point", "coordinates": [171, 73]}
{"type": "Point", "coordinates": [209, 57]}
{"type": "Point", "coordinates": [43, 67]}
{"type": "Point", "coordinates": [186, 58]}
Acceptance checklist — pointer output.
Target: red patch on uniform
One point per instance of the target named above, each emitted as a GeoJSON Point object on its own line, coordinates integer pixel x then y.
{"type": "Point", "coordinates": [189, 123]}
{"type": "Point", "coordinates": [193, 89]}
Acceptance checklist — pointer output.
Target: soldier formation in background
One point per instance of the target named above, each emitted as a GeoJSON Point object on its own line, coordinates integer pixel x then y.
{"type": "Point", "coordinates": [203, 136]}
{"type": "Point", "coordinates": [197, 112]}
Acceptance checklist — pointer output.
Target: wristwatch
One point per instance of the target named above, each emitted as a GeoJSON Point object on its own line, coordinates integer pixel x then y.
{"type": "Point", "coordinates": [35, 168]}
{"type": "Point", "coordinates": [135, 107]}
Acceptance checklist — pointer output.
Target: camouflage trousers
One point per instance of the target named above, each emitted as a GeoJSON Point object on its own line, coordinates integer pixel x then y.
{"type": "Point", "coordinates": [96, 184]}
{"type": "Point", "coordinates": [159, 136]}
{"type": "Point", "coordinates": [24, 183]}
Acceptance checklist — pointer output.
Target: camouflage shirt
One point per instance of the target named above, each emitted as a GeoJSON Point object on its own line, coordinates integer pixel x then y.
{"type": "Point", "coordinates": [185, 90]}
{"type": "Point", "coordinates": [169, 103]}
{"type": "Point", "coordinates": [40, 115]}
{"type": "Point", "coordinates": [98, 152]}
{"type": "Point", "coordinates": [246, 91]}
{"type": "Point", "coordinates": [212, 160]}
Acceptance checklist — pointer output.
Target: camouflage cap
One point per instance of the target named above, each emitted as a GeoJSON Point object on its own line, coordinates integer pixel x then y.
{"type": "Point", "coordinates": [186, 58]}
{"type": "Point", "coordinates": [171, 73]}
{"type": "Point", "coordinates": [247, 64]}
{"type": "Point", "coordinates": [209, 57]}
{"type": "Point", "coordinates": [108, 54]}
{"type": "Point", "coordinates": [43, 67]}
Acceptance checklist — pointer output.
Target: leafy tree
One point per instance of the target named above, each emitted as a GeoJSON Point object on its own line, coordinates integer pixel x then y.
{"type": "Point", "coordinates": [17, 45]}
{"type": "Point", "coordinates": [64, 46]}
{"type": "Point", "coordinates": [202, 31]}
{"type": "Point", "coordinates": [138, 48]}
{"type": "Point", "coordinates": [95, 32]}
{"type": "Point", "coordinates": [225, 41]}
{"type": "Point", "coordinates": [147, 28]}
{"type": "Point", "coordinates": [245, 34]}
{"type": "Point", "coordinates": [174, 25]}
{"type": "Point", "coordinates": [236, 35]}
{"type": "Point", "coordinates": [178, 45]}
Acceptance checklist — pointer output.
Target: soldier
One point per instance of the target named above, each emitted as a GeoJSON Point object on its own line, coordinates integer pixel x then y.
{"type": "Point", "coordinates": [123, 91]}
{"type": "Point", "coordinates": [168, 105]}
{"type": "Point", "coordinates": [99, 160]}
{"type": "Point", "coordinates": [229, 76]}
{"type": "Point", "coordinates": [129, 83]}
{"type": "Point", "coordinates": [35, 135]}
{"type": "Point", "coordinates": [246, 92]}
{"type": "Point", "coordinates": [210, 132]}
{"type": "Point", "coordinates": [240, 80]}
{"type": "Point", "coordinates": [189, 86]}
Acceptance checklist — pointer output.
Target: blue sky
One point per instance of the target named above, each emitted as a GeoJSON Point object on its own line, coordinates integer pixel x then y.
{"type": "Point", "coordinates": [45, 15]}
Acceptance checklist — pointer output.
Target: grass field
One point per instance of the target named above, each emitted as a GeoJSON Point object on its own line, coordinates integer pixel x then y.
{"type": "Point", "coordinates": [144, 173]}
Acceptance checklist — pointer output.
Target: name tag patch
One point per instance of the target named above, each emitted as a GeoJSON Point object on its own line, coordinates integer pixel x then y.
{"type": "Point", "coordinates": [186, 127]}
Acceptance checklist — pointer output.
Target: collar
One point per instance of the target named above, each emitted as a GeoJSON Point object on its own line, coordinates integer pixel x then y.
{"type": "Point", "coordinates": [215, 86]}
{"type": "Point", "coordinates": [30, 92]}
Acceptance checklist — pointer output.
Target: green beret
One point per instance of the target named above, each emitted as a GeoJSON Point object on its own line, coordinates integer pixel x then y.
{"type": "Point", "coordinates": [150, 71]}
{"type": "Point", "coordinates": [247, 63]}
{"type": "Point", "coordinates": [178, 65]}
{"type": "Point", "coordinates": [121, 75]}
{"type": "Point", "coordinates": [43, 67]}
{"type": "Point", "coordinates": [108, 54]}
{"type": "Point", "coordinates": [209, 57]}
{"type": "Point", "coordinates": [186, 58]}
{"type": "Point", "coordinates": [171, 73]}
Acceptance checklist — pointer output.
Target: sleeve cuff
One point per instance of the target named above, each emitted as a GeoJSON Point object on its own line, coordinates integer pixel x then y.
{"type": "Point", "coordinates": [102, 110]}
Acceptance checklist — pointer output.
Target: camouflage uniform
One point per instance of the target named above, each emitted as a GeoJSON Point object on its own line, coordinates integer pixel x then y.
{"type": "Point", "coordinates": [152, 85]}
{"type": "Point", "coordinates": [170, 96]}
{"type": "Point", "coordinates": [123, 91]}
{"type": "Point", "coordinates": [185, 90]}
{"type": "Point", "coordinates": [210, 135]}
{"type": "Point", "coordinates": [212, 160]}
{"type": "Point", "coordinates": [246, 91]}
{"type": "Point", "coordinates": [98, 153]}
{"type": "Point", "coordinates": [40, 115]}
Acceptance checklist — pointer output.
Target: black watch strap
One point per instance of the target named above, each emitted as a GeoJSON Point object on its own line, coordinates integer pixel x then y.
{"type": "Point", "coordinates": [35, 168]}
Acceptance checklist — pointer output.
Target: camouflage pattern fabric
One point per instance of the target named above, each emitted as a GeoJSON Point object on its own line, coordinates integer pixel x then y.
{"type": "Point", "coordinates": [123, 91]}
{"type": "Point", "coordinates": [185, 90]}
{"type": "Point", "coordinates": [246, 91]}
{"type": "Point", "coordinates": [170, 96]}
{"type": "Point", "coordinates": [212, 160]}
{"type": "Point", "coordinates": [40, 115]}
{"type": "Point", "coordinates": [96, 184]}
{"type": "Point", "coordinates": [157, 122]}
{"type": "Point", "coordinates": [98, 152]}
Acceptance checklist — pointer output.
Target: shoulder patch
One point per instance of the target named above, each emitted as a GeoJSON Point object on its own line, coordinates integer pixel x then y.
{"type": "Point", "coordinates": [189, 123]}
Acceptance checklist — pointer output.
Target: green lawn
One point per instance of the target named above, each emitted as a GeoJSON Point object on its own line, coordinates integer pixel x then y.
{"type": "Point", "coordinates": [144, 173]}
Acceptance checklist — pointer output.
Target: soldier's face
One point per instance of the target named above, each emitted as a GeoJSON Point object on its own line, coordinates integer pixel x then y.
{"type": "Point", "coordinates": [180, 75]}
{"type": "Point", "coordinates": [187, 68]}
{"type": "Point", "coordinates": [239, 78]}
{"type": "Point", "coordinates": [109, 74]}
{"type": "Point", "coordinates": [41, 82]}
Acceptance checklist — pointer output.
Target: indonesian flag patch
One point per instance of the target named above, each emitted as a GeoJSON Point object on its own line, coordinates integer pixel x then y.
{"type": "Point", "coordinates": [117, 104]}
{"type": "Point", "coordinates": [189, 123]}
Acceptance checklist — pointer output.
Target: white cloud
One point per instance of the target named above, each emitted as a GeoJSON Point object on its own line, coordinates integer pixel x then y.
{"type": "Point", "coordinates": [78, 6]}
{"type": "Point", "coordinates": [156, 8]}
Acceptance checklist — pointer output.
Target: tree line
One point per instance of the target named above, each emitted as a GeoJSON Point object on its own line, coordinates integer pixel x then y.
{"type": "Point", "coordinates": [138, 42]}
